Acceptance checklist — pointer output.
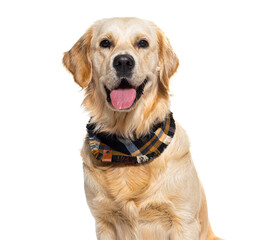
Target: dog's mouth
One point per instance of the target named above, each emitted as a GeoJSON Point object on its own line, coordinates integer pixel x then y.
{"type": "Point", "coordinates": [125, 95]}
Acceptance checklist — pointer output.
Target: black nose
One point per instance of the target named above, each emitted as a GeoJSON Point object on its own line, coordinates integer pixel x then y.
{"type": "Point", "coordinates": [124, 64]}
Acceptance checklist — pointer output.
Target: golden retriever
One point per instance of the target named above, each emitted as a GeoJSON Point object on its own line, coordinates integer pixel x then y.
{"type": "Point", "coordinates": [124, 65]}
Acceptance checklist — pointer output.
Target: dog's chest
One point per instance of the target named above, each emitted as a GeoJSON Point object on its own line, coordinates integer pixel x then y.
{"type": "Point", "coordinates": [134, 203]}
{"type": "Point", "coordinates": [127, 183]}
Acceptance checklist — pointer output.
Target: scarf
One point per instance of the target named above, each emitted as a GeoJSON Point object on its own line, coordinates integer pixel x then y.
{"type": "Point", "coordinates": [115, 149]}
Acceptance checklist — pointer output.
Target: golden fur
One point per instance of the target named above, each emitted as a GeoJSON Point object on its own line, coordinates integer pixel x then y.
{"type": "Point", "coordinates": [159, 200]}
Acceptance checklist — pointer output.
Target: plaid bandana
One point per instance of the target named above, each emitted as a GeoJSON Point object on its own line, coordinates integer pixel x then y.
{"type": "Point", "coordinates": [112, 148]}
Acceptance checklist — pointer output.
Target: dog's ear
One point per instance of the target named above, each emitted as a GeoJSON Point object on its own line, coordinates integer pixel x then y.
{"type": "Point", "coordinates": [168, 59]}
{"type": "Point", "coordinates": [78, 60]}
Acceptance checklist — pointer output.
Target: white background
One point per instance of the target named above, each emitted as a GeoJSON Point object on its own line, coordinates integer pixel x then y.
{"type": "Point", "coordinates": [43, 125]}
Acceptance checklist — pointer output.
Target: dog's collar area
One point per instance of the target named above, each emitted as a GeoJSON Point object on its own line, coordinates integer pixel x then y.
{"type": "Point", "coordinates": [125, 85]}
{"type": "Point", "coordinates": [114, 149]}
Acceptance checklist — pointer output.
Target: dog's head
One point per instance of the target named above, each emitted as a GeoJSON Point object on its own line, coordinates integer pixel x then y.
{"type": "Point", "coordinates": [123, 63]}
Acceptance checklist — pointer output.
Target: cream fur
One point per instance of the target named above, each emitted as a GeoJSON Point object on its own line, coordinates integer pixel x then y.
{"type": "Point", "coordinates": [159, 200]}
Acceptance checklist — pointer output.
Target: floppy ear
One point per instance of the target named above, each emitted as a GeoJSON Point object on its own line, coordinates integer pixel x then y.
{"type": "Point", "coordinates": [78, 60]}
{"type": "Point", "coordinates": [168, 59]}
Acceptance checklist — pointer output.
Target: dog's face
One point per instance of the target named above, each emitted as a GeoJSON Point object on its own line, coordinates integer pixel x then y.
{"type": "Point", "coordinates": [125, 59]}
{"type": "Point", "coordinates": [119, 59]}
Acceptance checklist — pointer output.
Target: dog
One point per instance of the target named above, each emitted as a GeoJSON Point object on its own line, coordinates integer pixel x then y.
{"type": "Point", "coordinates": [140, 181]}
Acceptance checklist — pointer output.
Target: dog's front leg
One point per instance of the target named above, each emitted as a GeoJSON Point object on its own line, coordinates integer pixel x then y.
{"type": "Point", "coordinates": [117, 231]}
{"type": "Point", "coordinates": [105, 230]}
{"type": "Point", "coordinates": [185, 231]}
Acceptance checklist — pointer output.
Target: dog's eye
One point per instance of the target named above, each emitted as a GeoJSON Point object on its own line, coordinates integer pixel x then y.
{"type": "Point", "coordinates": [143, 44]}
{"type": "Point", "coordinates": [105, 43]}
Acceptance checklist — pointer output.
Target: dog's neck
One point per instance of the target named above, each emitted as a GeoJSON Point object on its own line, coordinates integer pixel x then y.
{"type": "Point", "coordinates": [112, 148]}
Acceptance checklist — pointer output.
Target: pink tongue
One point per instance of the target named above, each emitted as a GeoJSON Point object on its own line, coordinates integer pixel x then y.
{"type": "Point", "coordinates": [123, 98]}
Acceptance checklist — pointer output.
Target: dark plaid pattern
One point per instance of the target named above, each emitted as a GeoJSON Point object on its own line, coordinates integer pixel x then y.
{"type": "Point", "coordinates": [111, 148]}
